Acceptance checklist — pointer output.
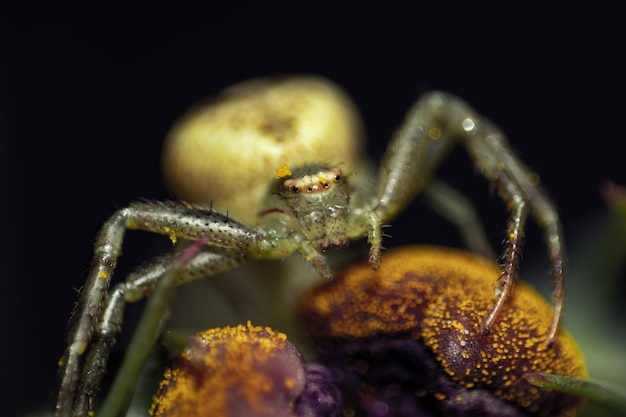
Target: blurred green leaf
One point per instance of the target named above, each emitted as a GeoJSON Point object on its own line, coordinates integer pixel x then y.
{"type": "Point", "coordinates": [586, 388]}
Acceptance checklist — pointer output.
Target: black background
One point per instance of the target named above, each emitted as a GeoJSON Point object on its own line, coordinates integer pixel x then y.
{"type": "Point", "coordinates": [87, 93]}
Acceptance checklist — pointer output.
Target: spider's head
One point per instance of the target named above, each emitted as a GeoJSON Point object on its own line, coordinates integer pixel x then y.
{"type": "Point", "coordinates": [318, 197]}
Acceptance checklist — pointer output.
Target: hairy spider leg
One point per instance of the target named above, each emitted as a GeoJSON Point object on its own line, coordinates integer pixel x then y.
{"type": "Point", "coordinates": [235, 245]}
{"type": "Point", "coordinates": [458, 210]}
{"type": "Point", "coordinates": [433, 125]}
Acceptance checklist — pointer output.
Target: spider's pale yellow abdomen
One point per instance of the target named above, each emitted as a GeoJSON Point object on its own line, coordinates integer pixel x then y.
{"type": "Point", "coordinates": [223, 152]}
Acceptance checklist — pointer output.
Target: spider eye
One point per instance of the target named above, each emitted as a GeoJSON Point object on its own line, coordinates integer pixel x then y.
{"type": "Point", "coordinates": [326, 185]}
{"type": "Point", "coordinates": [309, 189]}
{"type": "Point", "coordinates": [337, 177]}
{"type": "Point", "coordinates": [295, 189]}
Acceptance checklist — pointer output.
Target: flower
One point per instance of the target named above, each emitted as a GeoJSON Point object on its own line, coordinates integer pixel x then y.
{"type": "Point", "coordinates": [405, 340]}
{"type": "Point", "coordinates": [401, 341]}
{"type": "Point", "coordinates": [244, 371]}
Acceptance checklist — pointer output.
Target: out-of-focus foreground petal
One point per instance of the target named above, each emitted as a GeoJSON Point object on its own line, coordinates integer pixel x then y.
{"type": "Point", "coordinates": [244, 371]}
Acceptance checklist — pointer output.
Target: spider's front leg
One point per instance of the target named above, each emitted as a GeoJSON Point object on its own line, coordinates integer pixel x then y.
{"type": "Point", "coordinates": [433, 125]}
{"type": "Point", "coordinates": [98, 315]}
{"type": "Point", "coordinates": [159, 218]}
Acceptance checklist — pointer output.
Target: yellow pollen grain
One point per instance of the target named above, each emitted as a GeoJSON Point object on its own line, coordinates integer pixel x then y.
{"type": "Point", "coordinates": [82, 348]}
{"type": "Point", "coordinates": [173, 238]}
{"type": "Point", "coordinates": [457, 325]}
{"type": "Point", "coordinates": [103, 275]}
{"type": "Point", "coordinates": [283, 171]}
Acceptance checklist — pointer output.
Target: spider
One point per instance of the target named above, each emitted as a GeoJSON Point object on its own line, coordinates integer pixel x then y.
{"type": "Point", "coordinates": [294, 200]}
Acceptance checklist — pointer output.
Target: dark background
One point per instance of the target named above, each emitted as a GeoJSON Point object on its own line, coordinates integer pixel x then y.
{"type": "Point", "coordinates": [88, 93]}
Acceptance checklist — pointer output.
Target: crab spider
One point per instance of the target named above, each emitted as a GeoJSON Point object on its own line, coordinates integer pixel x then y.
{"type": "Point", "coordinates": [305, 206]}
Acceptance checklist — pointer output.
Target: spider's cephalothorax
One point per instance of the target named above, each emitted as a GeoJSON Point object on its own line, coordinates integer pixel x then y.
{"type": "Point", "coordinates": [260, 125]}
{"type": "Point", "coordinates": [318, 197]}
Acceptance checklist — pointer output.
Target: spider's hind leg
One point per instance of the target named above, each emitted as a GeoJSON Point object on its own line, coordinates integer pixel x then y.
{"type": "Point", "coordinates": [457, 209]}
{"type": "Point", "coordinates": [519, 188]}
{"type": "Point", "coordinates": [432, 127]}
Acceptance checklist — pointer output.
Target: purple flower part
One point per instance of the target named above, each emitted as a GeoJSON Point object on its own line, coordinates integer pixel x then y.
{"type": "Point", "coordinates": [321, 396]}
{"type": "Point", "coordinates": [395, 377]}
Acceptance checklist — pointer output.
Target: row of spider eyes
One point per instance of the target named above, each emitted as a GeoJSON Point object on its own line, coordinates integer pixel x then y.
{"type": "Point", "coordinates": [298, 185]}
